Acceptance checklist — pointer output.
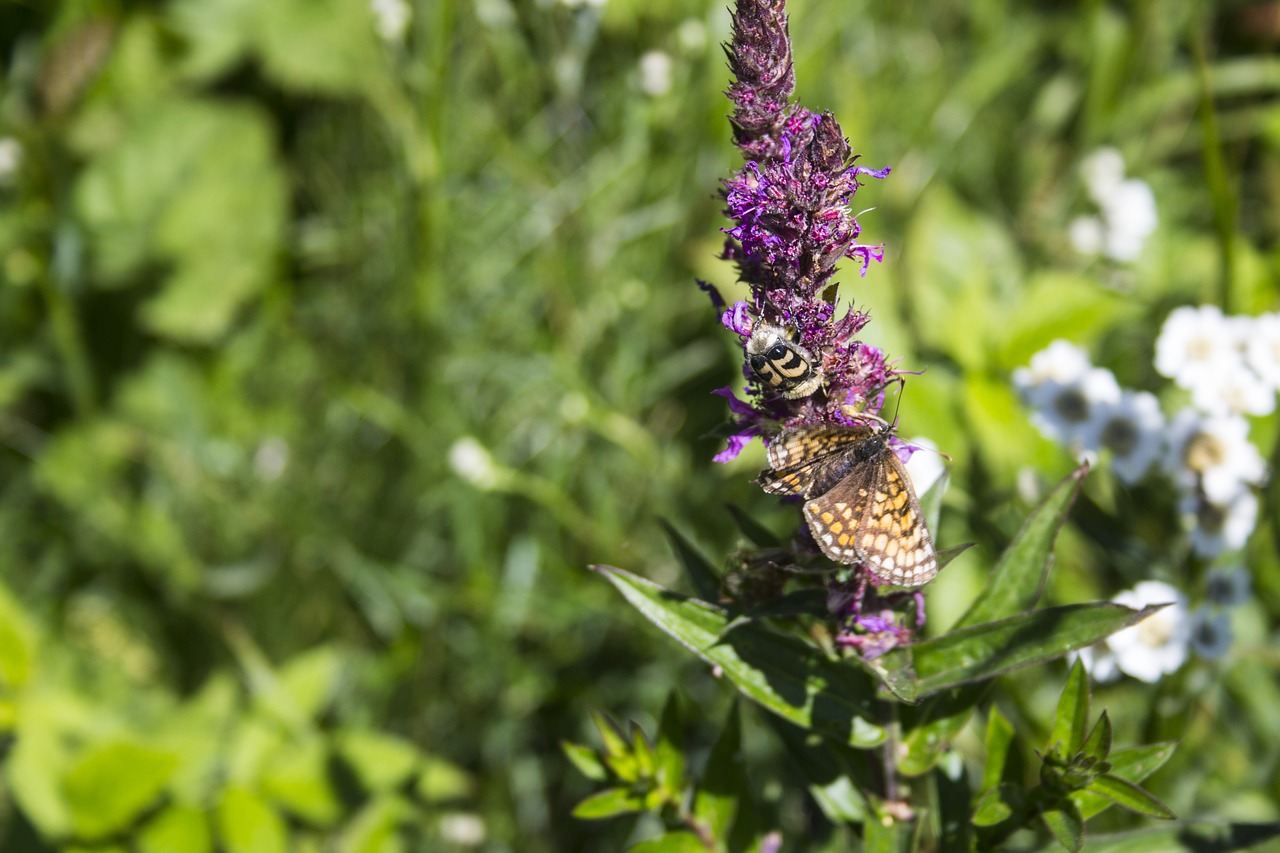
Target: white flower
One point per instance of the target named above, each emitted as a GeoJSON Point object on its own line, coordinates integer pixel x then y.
{"type": "Point", "coordinates": [1211, 634]}
{"type": "Point", "coordinates": [925, 468]}
{"type": "Point", "coordinates": [270, 459]}
{"type": "Point", "coordinates": [472, 462]}
{"type": "Point", "coordinates": [1132, 428]}
{"type": "Point", "coordinates": [1197, 345]}
{"type": "Point", "coordinates": [391, 19]}
{"type": "Point", "coordinates": [463, 829]}
{"type": "Point", "coordinates": [1238, 391]}
{"type": "Point", "coordinates": [1227, 586]}
{"type": "Point", "coordinates": [655, 73]}
{"type": "Point", "coordinates": [1102, 171]}
{"type": "Point", "coordinates": [1087, 234]}
{"type": "Point", "coordinates": [10, 158]}
{"type": "Point", "coordinates": [1127, 209]}
{"type": "Point", "coordinates": [1220, 527]}
{"type": "Point", "coordinates": [1158, 644]}
{"type": "Point", "coordinates": [1098, 661]}
{"type": "Point", "coordinates": [1129, 212]}
{"type": "Point", "coordinates": [1213, 453]}
{"type": "Point", "coordinates": [1065, 392]}
{"type": "Point", "coordinates": [1262, 348]}
{"type": "Point", "coordinates": [1061, 361]}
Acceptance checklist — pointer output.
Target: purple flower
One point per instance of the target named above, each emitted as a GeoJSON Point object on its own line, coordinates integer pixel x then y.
{"type": "Point", "coordinates": [791, 224]}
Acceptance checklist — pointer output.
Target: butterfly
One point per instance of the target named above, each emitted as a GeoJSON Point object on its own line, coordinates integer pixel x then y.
{"type": "Point", "coordinates": [860, 504]}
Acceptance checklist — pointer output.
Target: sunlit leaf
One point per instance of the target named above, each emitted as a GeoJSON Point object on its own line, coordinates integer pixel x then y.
{"type": "Point", "coordinates": [1015, 583]}
{"type": "Point", "coordinates": [1073, 712]}
{"type": "Point", "coordinates": [1133, 764]}
{"type": "Point", "coordinates": [780, 672]}
{"type": "Point", "coordinates": [985, 651]}
{"type": "Point", "coordinates": [610, 802]}
{"type": "Point", "coordinates": [112, 783]}
{"type": "Point", "coordinates": [1129, 796]}
{"type": "Point", "coordinates": [1066, 825]}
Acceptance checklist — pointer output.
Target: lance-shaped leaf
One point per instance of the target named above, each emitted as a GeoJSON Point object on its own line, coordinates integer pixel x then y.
{"type": "Point", "coordinates": [703, 575]}
{"type": "Point", "coordinates": [837, 775]}
{"type": "Point", "coordinates": [1130, 796]}
{"type": "Point", "coordinates": [1134, 764]}
{"type": "Point", "coordinates": [929, 728]}
{"type": "Point", "coordinates": [1073, 713]}
{"type": "Point", "coordinates": [780, 672]}
{"type": "Point", "coordinates": [1187, 837]}
{"type": "Point", "coordinates": [1066, 825]}
{"type": "Point", "coordinates": [1014, 584]}
{"type": "Point", "coordinates": [985, 651]}
{"type": "Point", "coordinates": [610, 802]}
{"type": "Point", "coordinates": [716, 800]}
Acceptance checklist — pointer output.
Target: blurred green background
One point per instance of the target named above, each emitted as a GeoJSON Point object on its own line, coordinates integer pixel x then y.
{"type": "Point", "coordinates": [331, 358]}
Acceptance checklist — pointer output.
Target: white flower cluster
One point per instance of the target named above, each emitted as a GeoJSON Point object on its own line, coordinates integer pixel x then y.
{"type": "Point", "coordinates": [1205, 452]}
{"type": "Point", "coordinates": [1228, 364]}
{"type": "Point", "coordinates": [1083, 408]}
{"type": "Point", "coordinates": [1126, 210]}
{"type": "Point", "coordinates": [1159, 644]}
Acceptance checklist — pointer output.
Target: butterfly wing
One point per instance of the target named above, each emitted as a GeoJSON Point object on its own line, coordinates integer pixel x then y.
{"type": "Point", "coordinates": [810, 460]}
{"type": "Point", "coordinates": [873, 517]}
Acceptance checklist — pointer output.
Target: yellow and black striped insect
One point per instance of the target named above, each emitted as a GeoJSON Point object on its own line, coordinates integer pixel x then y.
{"type": "Point", "coordinates": [781, 364]}
{"type": "Point", "coordinates": [860, 503]}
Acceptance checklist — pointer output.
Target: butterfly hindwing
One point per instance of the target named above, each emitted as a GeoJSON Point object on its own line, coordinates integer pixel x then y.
{"type": "Point", "coordinates": [861, 506]}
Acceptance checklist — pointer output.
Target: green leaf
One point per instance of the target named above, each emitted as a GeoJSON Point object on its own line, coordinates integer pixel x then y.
{"type": "Point", "coordinates": [1129, 796]}
{"type": "Point", "coordinates": [325, 46]}
{"type": "Point", "coordinates": [999, 739]}
{"type": "Point", "coordinates": [177, 827]}
{"type": "Point", "coordinates": [991, 807]}
{"type": "Point", "coordinates": [778, 671]}
{"type": "Point", "coordinates": [954, 798]}
{"type": "Point", "coordinates": [381, 761]}
{"type": "Point", "coordinates": [669, 753]}
{"type": "Point", "coordinates": [297, 779]}
{"type": "Point", "coordinates": [836, 775]}
{"type": "Point", "coordinates": [113, 783]}
{"type": "Point", "coordinates": [757, 533]}
{"type": "Point", "coordinates": [17, 642]}
{"type": "Point", "coordinates": [886, 833]}
{"type": "Point", "coordinates": [310, 680]}
{"type": "Point", "coordinates": [193, 186]}
{"type": "Point", "coordinates": [985, 651]}
{"type": "Point", "coordinates": [584, 758]}
{"type": "Point", "coordinates": [1188, 837]}
{"type": "Point", "coordinates": [1134, 764]}
{"type": "Point", "coordinates": [246, 824]}
{"type": "Point", "coordinates": [610, 802]}
{"type": "Point", "coordinates": [1073, 712]}
{"type": "Point", "coordinates": [1015, 583]}
{"type": "Point", "coordinates": [703, 575]}
{"type": "Point", "coordinates": [1066, 825]}
{"type": "Point", "coordinates": [673, 842]}
{"type": "Point", "coordinates": [642, 751]}
{"type": "Point", "coordinates": [617, 752]}
{"type": "Point", "coordinates": [930, 727]}
{"type": "Point", "coordinates": [442, 780]}
{"type": "Point", "coordinates": [1098, 744]}
{"type": "Point", "coordinates": [375, 828]}
{"type": "Point", "coordinates": [716, 799]}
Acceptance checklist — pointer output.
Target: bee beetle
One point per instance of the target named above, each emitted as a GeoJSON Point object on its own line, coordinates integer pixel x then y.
{"type": "Point", "coordinates": [781, 364]}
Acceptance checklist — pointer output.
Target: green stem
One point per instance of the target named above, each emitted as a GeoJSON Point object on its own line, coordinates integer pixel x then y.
{"type": "Point", "coordinates": [69, 343]}
{"type": "Point", "coordinates": [1220, 190]}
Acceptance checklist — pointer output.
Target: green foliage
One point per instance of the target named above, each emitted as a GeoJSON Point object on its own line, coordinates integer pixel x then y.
{"type": "Point", "coordinates": [328, 361]}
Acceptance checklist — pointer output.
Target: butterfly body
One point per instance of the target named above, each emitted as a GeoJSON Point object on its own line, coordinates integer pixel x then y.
{"type": "Point", "coordinates": [859, 501]}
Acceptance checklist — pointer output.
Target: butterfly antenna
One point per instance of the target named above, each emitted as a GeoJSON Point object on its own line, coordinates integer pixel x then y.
{"type": "Point", "coordinates": [902, 388]}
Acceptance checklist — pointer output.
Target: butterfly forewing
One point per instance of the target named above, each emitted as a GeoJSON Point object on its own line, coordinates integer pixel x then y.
{"type": "Point", "coordinates": [862, 507]}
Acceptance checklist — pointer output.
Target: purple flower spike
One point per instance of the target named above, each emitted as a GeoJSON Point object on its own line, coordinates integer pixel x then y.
{"type": "Point", "coordinates": [791, 225]}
